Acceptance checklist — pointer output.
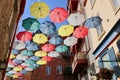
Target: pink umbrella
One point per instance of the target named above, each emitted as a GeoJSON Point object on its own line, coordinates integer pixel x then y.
{"type": "Point", "coordinates": [22, 66]}
{"type": "Point", "coordinates": [18, 74]}
{"type": "Point", "coordinates": [58, 15]}
{"type": "Point", "coordinates": [80, 32]}
{"type": "Point", "coordinates": [48, 47]}
{"type": "Point", "coordinates": [24, 36]}
{"type": "Point", "coordinates": [12, 63]}
{"type": "Point", "coordinates": [47, 58]}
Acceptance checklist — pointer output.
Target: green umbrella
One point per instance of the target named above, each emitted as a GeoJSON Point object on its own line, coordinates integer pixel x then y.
{"type": "Point", "coordinates": [61, 48]}
{"type": "Point", "coordinates": [26, 53]}
{"type": "Point", "coordinates": [31, 24]}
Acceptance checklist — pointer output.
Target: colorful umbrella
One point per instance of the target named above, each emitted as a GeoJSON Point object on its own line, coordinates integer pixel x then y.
{"type": "Point", "coordinates": [8, 74]}
{"type": "Point", "coordinates": [48, 47]}
{"type": "Point", "coordinates": [40, 38]}
{"type": "Point", "coordinates": [41, 62]}
{"type": "Point", "coordinates": [8, 69]}
{"type": "Point", "coordinates": [15, 51]}
{"type": "Point", "coordinates": [76, 19]}
{"type": "Point", "coordinates": [31, 24]}
{"type": "Point", "coordinates": [21, 57]}
{"type": "Point", "coordinates": [12, 56]}
{"type": "Point", "coordinates": [39, 9]}
{"type": "Point", "coordinates": [34, 58]}
{"type": "Point", "coordinates": [18, 61]}
{"type": "Point", "coordinates": [61, 48]}
{"type": "Point", "coordinates": [12, 72]}
{"type": "Point", "coordinates": [58, 15]}
{"type": "Point", "coordinates": [56, 40]}
{"type": "Point", "coordinates": [47, 28]}
{"type": "Point", "coordinates": [32, 46]}
{"type": "Point", "coordinates": [70, 41]}
{"type": "Point", "coordinates": [30, 62]}
{"type": "Point", "coordinates": [18, 74]}
{"type": "Point", "coordinates": [23, 71]}
{"type": "Point", "coordinates": [65, 30]}
{"type": "Point", "coordinates": [17, 68]}
{"type": "Point", "coordinates": [47, 58]}
{"type": "Point", "coordinates": [93, 22]}
{"type": "Point", "coordinates": [40, 53]}
{"type": "Point", "coordinates": [14, 76]}
{"type": "Point", "coordinates": [24, 64]}
{"type": "Point", "coordinates": [24, 36]}
{"type": "Point", "coordinates": [10, 65]}
{"type": "Point", "coordinates": [53, 54]}
{"type": "Point", "coordinates": [28, 69]}
{"type": "Point", "coordinates": [32, 67]}
{"type": "Point", "coordinates": [26, 53]}
{"type": "Point", "coordinates": [19, 45]}
{"type": "Point", "coordinates": [80, 32]}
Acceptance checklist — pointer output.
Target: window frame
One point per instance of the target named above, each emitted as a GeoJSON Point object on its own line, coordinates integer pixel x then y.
{"type": "Point", "coordinates": [48, 70]}
{"type": "Point", "coordinates": [59, 69]}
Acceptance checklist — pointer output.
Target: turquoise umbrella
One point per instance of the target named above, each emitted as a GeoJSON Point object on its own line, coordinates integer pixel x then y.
{"type": "Point", "coordinates": [31, 24]}
{"type": "Point", "coordinates": [32, 67]}
{"type": "Point", "coordinates": [8, 69]}
{"type": "Point", "coordinates": [61, 48]}
{"type": "Point", "coordinates": [30, 62]}
{"type": "Point", "coordinates": [8, 74]}
{"type": "Point", "coordinates": [26, 53]}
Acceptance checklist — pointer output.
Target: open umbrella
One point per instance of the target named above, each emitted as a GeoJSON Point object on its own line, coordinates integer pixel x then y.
{"type": "Point", "coordinates": [8, 74]}
{"type": "Point", "coordinates": [39, 9]}
{"type": "Point", "coordinates": [14, 76]}
{"type": "Point", "coordinates": [32, 46]}
{"type": "Point", "coordinates": [75, 19]}
{"type": "Point", "coordinates": [80, 32]}
{"type": "Point", "coordinates": [47, 28]}
{"type": "Point", "coordinates": [21, 57]}
{"type": "Point", "coordinates": [53, 54]}
{"type": "Point", "coordinates": [10, 65]}
{"type": "Point", "coordinates": [48, 47]}
{"type": "Point", "coordinates": [93, 22]}
{"type": "Point", "coordinates": [18, 74]}
{"type": "Point", "coordinates": [56, 40]}
{"type": "Point", "coordinates": [34, 58]}
{"type": "Point", "coordinates": [47, 58]}
{"type": "Point", "coordinates": [12, 56]}
{"type": "Point", "coordinates": [24, 36]}
{"type": "Point", "coordinates": [12, 72]}
{"type": "Point", "coordinates": [40, 38]}
{"type": "Point", "coordinates": [70, 41]}
{"type": "Point", "coordinates": [8, 69]}
{"type": "Point", "coordinates": [18, 61]}
{"type": "Point", "coordinates": [18, 45]}
{"type": "Point", "coordinates": [15, 51]}
{"type": "Point", "coordinates": [40, 53]}
{"type": "Point", "coordinates": [17, 68]}
{"type": "Point", "coordinates": [61, 48]}
{"type": "Point", "coordinates": [31, 24]}
{"type": "Point", "coordinates": [23, 71]}
{"type": "Point", "coordinates": [30, 62]}
{"type": "Point", "coordinates": [26, 53]}
{"type": "Point", "coordinates": [28, 69]}
{"type": "Point", "coordinates": [58, 15]}
{"type": "Point", "coordinates": [41, 62]}
{"type": "Point", "coordinates": [65, 30]}
{"type": "Point", "coordinates": [24, 64]}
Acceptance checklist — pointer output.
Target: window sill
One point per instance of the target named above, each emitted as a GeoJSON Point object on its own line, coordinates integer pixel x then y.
{"type": "Point", "coordinates": [101, 35]}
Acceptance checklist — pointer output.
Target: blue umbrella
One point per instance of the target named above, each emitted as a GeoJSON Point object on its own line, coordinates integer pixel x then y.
{"type": "Point", "coordinates": [18, 61]}
{"type": "Point", "coordinates": [26, 53]}
{"type": "Point", "coordinates": [30, 62]}
{"type": "Point", "coordinates": [32, 46]}
{"type": "Point", "coordinates": [23, 71]}
{"type": "Point", "coordinates": [47, 28]}
{"type": "Point", "coordinates": [55, 40]}
{"type": "Point", "coordinates": [35, 58]}
{"type": "Point", "coordinates": [93, 22]}
{"type": "Point", "coordinates": [15, 51]}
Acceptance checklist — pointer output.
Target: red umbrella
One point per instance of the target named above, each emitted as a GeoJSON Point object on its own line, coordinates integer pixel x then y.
{"type": "Point", "coordinates": [58, 15]}
{"type": "Point", "coordinates": [47, 58]}
{"type": "Point", "coordinates": [48, 47]}
{"type": "Point", "coordinates": [18, 74]}
{"type": "Point", "coordinates": [24, 36]}
{"type": "Point", "coordinates": [80, 32]}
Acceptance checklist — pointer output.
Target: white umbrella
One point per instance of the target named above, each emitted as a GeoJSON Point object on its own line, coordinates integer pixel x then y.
{"type": "Point", "coordinates": [11, 65]}
{"type": "Point", "coordinates": [12, 72]}
{"type": "Point", "coordinates": [75, 19]}
{"type": "Point", "coordinates": [28, 69]}
{"type": "Point", "coordinates": [19, 45]}
{"type": "Point", "coordinates": [53, 54]}
{"type": "Point", "coordinates": [70, 41]}
{"type": "Point", "coordinates": [24, 64]}
{"type": "Point", "coordinates": [21, 57]}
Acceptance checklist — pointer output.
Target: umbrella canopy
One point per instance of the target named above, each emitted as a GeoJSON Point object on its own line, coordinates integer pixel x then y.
{"type": "Point", "coordinates": [70, 41]}
{"type": "Point", "coordinates": [18, 61]}
{"type": "Point", "coordinates": [34, 58]}
{"type": "Point", "coordinates": [31, 24]}
{"type": "Point", "coordinates": [53, 54]}
{"type": "Point", "coordinates": [28, 69]}
{"type": "Point", "coordinates": [21, 57]}
{"type": "Point", "coordinates": [40, 38]}
{"type": "Point", "coordinates": [47, 28]}
{"type": "Point", "coordinates": [47, 58]}
{"type": "Point", "coordinates": [23, 71]}
{"type": "Point", "coordinates": [65, 30]}
{"type": "Point", "coordinates": [75, 19]}
{"type": "Point", "coordinates": [24, 36]}
{"type": "Point", "coordinates": [12, 72]}
{"type": "Point", "coordinates": [8, 74]}
{"type": "Point", "coordinates": [12, 56]}
{"type": "Point", "coordinates": [24, 64]}
{"type": "Point", "coordinates": [39, 9]}
{"type": "Point", "coordinates": [56, 40]}
{"type": "Point", "coordinates": [17, 68]}
{"type": "Point", "coordinates": [93, 22]}
{"type": "Point", "coordinates": [80, 32]}
{"type": "Point", "coordinates": [40, 53]}
{"type": "Point", "coordinates": [10, 65]}
{"type": "Point", "coordinates": [26, 52]}
{"type": "Point", "coordinates": [15, 51]}
{"type": "Point", "coordinates": [14, 76]}
{"type": "Point", "coordinates": [21, 66]}
{"type": "Point", "coordinates": [30, 62]}
{"type": "Point", "coordinates": [8, 69]}
{"type": "Point", "coordinates": [61, 48]}
{"type": "Point", "coordinates": [48, 47]}
{"type": "Point", "coordinates": [32, 46]}
{"type": "Point", "coordinates": [18, 74]}
{"type": "Point", "coordinates": [41, 62]}
{"type": "Point", "coordinates": [58, 15]}
{"type": "Point", "coordinates": [18, 45]}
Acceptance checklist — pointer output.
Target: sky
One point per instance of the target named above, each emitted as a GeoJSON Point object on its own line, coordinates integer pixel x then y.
{"type": "Point", "coordinates": [51, 3]}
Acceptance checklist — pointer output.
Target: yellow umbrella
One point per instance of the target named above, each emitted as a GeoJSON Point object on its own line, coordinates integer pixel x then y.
{"type": "Point", "coordinates": [40, 53]}
{"type": "Point", "coordinates": [40, 38]}
{"type": "Point", "coordinates": [17, 68]}
{"type": "Point", "coordinates": [65, 30]}
{"type": "Point", "coordinates": [41, 62]}
{"type": "Point", "coordinates": [12, 56]}
{"type": "Point", "coordinates": [39, 9]}
{"type": "Point", "coordinates": [14, 76]}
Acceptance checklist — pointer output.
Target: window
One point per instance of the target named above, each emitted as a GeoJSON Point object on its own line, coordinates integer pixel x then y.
{"type": "Point", "coordinates": [48, 70]}
{"type": "Point", "coordinates": [116, 4]}
{"type": "Point", "coordinates": [99, 30]}
{"type": "Point", "coordinates": [92, 2]}
{"type": "Point", "coordinates": [59, 70]}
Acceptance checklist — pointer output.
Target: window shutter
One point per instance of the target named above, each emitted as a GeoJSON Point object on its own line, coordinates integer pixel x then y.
{"type": "Point", "coordinates": [114, 65]}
